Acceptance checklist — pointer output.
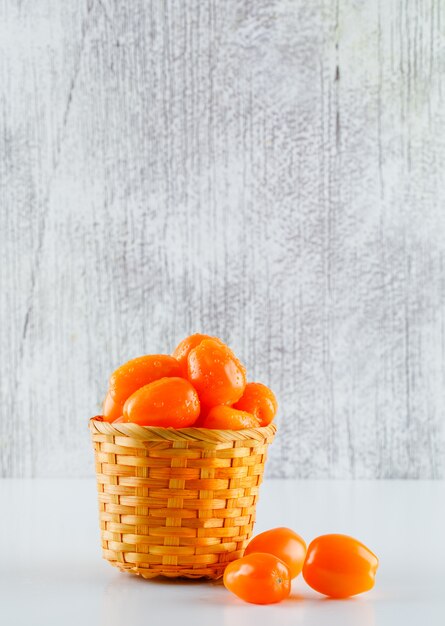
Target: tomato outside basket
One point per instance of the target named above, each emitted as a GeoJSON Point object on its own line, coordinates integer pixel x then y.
{"type": "Point", "coordinates": [177, 502]}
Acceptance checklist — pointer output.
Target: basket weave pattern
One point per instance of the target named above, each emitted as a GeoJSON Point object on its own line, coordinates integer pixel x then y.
{"type": "Point", "coordinates": [177, 502]}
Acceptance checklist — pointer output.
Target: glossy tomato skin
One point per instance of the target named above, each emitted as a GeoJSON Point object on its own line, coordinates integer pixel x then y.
{"type": "Point", "coordinates": [260, 401]}
{"type": "Point", "coordinates": [216, 373]}
{"type": "Point", "coordinates": [133, 375]}
{"type": "Point", "coordinates": [168, 402]}
{"type": "Point", "coordinates": [285, 544]}
{"type": "Point", "coordinates": [184, 347]}
{"type": "Point", "coordinates": [339, 566]}
{"type": "Point", "coordinates": [258, 578]}
{"type": "Point", "coordinates": [227, 418]}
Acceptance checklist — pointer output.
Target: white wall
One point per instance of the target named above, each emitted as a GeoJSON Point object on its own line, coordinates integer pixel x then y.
{"type": "Point", "coordinates": [268, 171]}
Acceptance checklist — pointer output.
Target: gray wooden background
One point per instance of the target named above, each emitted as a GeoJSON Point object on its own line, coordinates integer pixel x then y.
{"type": "Point", "coordinates": [271, 171]}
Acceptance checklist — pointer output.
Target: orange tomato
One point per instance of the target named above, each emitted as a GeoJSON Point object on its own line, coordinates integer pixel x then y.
{"type": "Point", "coordinates": [258, 578]}
{"type": "Point", "coordinates": [260, 401]}
{"type": "Point", "coordinates": [135, 374]}
{"type": "Point", "coordinates": [283, 543]}
{"type": "Point", "coordinates": [225, 417]}
{"type": "Point", "coordinates": [339, 566]}
{"type": "Point", "coordinates": [110, 409]}
{"type": "Point", "coordinates": [168, 402]}
{"type": "Point", "coordinates": [216, 373]}
{"type": "Point", "coordinates": [183, 348]}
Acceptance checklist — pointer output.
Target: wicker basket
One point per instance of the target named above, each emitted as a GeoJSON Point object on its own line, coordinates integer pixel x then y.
{"type": "Point", "coordinates": [177, 502]}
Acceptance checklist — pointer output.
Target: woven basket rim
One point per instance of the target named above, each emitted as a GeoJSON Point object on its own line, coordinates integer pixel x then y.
{"type": "Point", "coordinates": [155, 433]}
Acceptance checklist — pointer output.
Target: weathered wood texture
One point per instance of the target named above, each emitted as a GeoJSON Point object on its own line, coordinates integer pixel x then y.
{"type": "Point", "coordinates": [268, 171]}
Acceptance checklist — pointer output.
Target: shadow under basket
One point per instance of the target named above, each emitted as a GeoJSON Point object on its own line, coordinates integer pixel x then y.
{"type": "Point", "coordinates": [177, 502]}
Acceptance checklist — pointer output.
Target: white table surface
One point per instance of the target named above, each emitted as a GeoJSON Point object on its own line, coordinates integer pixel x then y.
{"type": "Point", "coordinates": [51, 571]}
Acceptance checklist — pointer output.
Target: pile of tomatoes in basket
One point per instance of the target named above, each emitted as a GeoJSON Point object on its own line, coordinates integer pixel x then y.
{"type": "Point", "coordinates": [202, 384]}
